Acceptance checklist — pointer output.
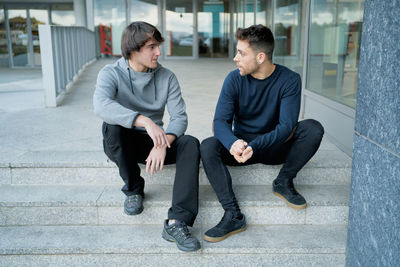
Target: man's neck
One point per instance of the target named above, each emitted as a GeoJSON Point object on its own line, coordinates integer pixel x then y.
{"type": "Point", "coordinates": [264, 71]}
{"type": "Point", "coordinates": [137, 67]}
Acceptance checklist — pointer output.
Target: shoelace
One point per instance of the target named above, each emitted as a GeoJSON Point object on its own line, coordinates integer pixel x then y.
{"type": "Point", "coordinates": [182, 231]}
{"type": "Point", "coordinates": [133, 198]}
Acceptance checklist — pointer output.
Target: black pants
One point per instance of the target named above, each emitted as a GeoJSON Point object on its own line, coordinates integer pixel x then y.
{"type": "Point", "coordinates": [294, 154]}
{"type": "Point", "coordinates": [128, 147]}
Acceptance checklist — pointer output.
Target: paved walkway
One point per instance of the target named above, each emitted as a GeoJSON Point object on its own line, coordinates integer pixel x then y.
{"type": "Point", "coordinates": [20, 89]}
{"type": "Point", "coordinates": [28, 126]}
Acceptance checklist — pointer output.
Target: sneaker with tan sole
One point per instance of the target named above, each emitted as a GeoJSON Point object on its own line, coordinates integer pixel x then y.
{"type": "Point", "coordinates": [228, 225]}
{"type": "Point", "coordinates": [285, 190]}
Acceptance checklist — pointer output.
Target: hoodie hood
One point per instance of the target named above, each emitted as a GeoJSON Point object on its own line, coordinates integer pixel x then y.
{"type": "Point", "coordinates": [142, 84]}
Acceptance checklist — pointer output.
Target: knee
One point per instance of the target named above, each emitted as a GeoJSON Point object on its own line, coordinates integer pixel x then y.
{"type": "Point", "coordinates": [209, 147]}
{"type": "Point", "coordinates": [112, 130]}
{"type": "Point", "coordinates": [112, 134]}
{"type": "Point", "coordinates": [317, 128]}
{"type": "Point", "coordinates": [189, 142]}
{"type": "Point", "coordinates": [313, 128]}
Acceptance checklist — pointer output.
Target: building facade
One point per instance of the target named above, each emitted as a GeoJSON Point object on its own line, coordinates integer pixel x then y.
{"type": "Point", "coordinates": [319, 39]}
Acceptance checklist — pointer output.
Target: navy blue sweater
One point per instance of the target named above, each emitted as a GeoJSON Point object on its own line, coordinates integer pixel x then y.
{"type": "Point", "coordinates": [267, 109]}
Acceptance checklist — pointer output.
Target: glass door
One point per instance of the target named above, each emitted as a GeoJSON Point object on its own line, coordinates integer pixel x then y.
{"type": "Point", "coordinates": [287, 33]}
{"type": "Point", "coordinates": [213, 28]}
{"type": "Point", "coordinates": [4, 59]}
{"type": "Point", "coordinates": [111, 14]}
{"type": "Point", "coordinates": [179, 28]}
{"type": "Point", "coordinates": [17, 18]}
{"type": "Point", "coordinates": [334, 49]}
{"type": "Point", "coordinates": [24, 34]}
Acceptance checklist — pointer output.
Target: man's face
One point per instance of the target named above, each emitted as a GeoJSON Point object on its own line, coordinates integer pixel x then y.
{"type": "Point", "coordinates": [245, 58]}
{"type": "Point", "coordinates": [148, 55]}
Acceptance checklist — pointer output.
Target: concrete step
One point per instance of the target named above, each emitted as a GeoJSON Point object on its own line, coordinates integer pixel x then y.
{"type": "Point", "coordinates": [103, 205]}
{"type": "Point", "coordinates": [142, 245]}
{"type": "Point", "coordinates": [92, 167]}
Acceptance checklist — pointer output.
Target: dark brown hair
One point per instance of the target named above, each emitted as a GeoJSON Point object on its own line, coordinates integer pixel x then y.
{"type": "Point", "coordinates": [260, 39]}
{"type": "Point", "coordinates": [136, 35]}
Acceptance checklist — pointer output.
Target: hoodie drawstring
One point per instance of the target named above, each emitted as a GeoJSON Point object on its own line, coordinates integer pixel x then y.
{"type": "Point", "coordinates": [130, 80]}
{"type": "Point", "coordinates": [155, 87]}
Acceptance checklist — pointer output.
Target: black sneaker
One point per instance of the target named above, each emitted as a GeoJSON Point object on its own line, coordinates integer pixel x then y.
{"type": "Point", "coordinates": [179, 233]}
{"type": "Point", "coordinates": [133, 205]}
{"type": "Point", "coordinates": [228, 225]}
{"type": "Point", "coordinates": [285, 190]}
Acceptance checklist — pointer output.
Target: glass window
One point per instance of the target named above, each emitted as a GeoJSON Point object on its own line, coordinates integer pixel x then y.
{"type": "Point", "coordinates": [111, 13]}
{"type": "Point", "coordinates": [38, 17]}
{"type": "Point", "coordinates": [145, 11]}
{"type": "Point", "coordinates": [179, 34]}
{"type": "Point", "coordinates": [4, 60]}
{"type": "Point", "coordinates": [213, 28]}
{"type": "Point", "coordinates": [334, 49]}
{"type": "Point", "coordinates": [287, 21]}
{"type": "Point", "coordinates": [62, 14]}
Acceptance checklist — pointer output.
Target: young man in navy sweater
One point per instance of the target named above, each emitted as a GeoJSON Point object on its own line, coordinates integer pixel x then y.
{"type": "Point", "coordinates": [262, 100]}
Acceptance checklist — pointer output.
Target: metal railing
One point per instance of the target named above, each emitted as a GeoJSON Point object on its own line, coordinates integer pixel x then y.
{"type": "Point", "coordinates": [65, 52]}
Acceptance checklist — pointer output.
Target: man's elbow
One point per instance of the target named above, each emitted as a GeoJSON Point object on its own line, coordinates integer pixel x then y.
{"type": "Point", "coordinates": [183, 119]}
{"type": "Point", "coordinates": [290, 135]}
{"type": "Point", "coordinates": [98, 109]}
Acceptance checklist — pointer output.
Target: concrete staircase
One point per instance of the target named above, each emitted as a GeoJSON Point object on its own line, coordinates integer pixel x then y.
{"type": "Point", "coordinates": [65, 208]}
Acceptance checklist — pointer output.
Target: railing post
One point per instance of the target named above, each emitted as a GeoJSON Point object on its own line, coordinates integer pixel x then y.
{"type": "Point", "coordinates": [48, 68]}
{"type": "Point", "coordinates": [65, 52]}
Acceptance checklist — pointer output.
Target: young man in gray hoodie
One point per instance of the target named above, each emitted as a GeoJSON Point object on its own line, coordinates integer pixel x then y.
{"type": "Point", "coordinates": [130, 97]}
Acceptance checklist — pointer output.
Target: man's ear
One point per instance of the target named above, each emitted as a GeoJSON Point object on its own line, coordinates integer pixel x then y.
{"type": "Point", "coordinates": [261, 58]}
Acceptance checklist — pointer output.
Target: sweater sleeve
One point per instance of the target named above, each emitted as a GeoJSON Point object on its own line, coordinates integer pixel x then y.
{"type": "Point", "coordinates": [104, 103]}
{"type": "Point", "coordinates": [288, 115]}
{"type": "Point", "coordinates": [176, 109]}
{"type": "Point", "coordinates": [224, 113]}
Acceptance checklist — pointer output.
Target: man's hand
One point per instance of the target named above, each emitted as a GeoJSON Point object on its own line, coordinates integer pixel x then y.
{"type": "Point", "coordinates": [156, 134]}
{"type": "Point", "coordinates": [238, 158]}
{"type": "Point", "coordinates": [153, 130]}
{"type": "Point", "coordinates": [238, 147]}
{"type": "Point", "coordinates": [240, 152]}
{"type": "Point", "coordinates": [155, 160]}
{"type": "Point", "coordinates": [246, 155]}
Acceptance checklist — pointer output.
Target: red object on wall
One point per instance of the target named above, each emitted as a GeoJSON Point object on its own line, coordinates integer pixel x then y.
{"type": "Point", "coordinates": [105, 40]}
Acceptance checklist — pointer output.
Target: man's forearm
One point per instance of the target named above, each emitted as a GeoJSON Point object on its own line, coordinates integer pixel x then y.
{"type": "Point", "coordinates": [171, 138]}
{"type": "Point", "coordinates": [223, 132]}
{"type": "Point", "coordinates": [155, 132]}
{"type": "Point", "coordinates": [142, 121]}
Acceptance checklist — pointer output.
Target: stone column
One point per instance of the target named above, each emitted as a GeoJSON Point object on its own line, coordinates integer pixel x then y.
{"type": "Point", "coordinates": [374, 221]}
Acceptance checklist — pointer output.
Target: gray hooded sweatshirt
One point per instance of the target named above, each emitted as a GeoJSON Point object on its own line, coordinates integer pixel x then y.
{"type": "Point", "coordinates": [122, 94]}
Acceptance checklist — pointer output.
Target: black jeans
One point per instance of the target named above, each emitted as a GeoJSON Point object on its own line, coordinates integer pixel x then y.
{"type": "Point", "coordinates": [294, 154]}
{"type": "Point", "coordinates": [128, 147]}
